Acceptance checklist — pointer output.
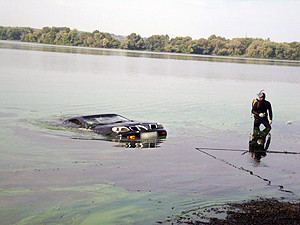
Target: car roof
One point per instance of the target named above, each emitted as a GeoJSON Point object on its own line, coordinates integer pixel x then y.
{"type": "Point", "coordinates": [98, 115]}
{"type": "Point", "coordinates": [93, 116]}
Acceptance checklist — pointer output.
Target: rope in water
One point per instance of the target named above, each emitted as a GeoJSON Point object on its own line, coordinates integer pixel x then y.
{"type": "Point", "coordinates": [269, 182]}
{"type": "Point", "coordinates": [245, 150]}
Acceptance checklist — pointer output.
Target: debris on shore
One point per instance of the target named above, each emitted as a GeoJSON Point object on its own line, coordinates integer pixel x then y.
{"type": "Point", "coordinates": [263, 211]}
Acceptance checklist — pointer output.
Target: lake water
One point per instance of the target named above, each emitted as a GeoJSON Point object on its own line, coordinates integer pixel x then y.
{"type": "Point", "coordinates": [51, 175]}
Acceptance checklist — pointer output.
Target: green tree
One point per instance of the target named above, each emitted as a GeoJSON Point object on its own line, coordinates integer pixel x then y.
{"type": "Point", "coordinates": [15, 33]}
{"type": "Point", "coordinates": [200, 46]}
{"type": "Point", "coordinates": [254, 49]}
{"type": "Point", "coordinates": [156, 43]}
{"type": "Point", "coordinates": [83, 37]}
{"type": "Point", "coordinates": [180, 45]}
{"type": "Point", "coordinates": [212, 37]}
{"type": "Point", "coordinates": [46, 30]}
{"type": "Point", "coordinates": [133, 42]}
{"type": "Point", "coordinates": [214, 45]}
{"type": "Point", "coordinates": [268, 50]}
{"type": "Point", "coordinates": [293, 52]}
{"type": "Point", "coordinates": [62, 38]}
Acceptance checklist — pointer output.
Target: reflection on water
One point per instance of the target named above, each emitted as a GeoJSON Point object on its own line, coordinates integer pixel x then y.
{"type": "Point", "coordinates": [154, 143]}
{"type": "Point", "coordinates": [259, 143]}
{"type": "Point", "coordinates": [151, 143]}
{"type": "Point", "coordinates": [127, 53]}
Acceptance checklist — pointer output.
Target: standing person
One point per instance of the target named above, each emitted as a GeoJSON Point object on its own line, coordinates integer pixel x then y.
{"type": "Point", "coordinates": [260, 110]}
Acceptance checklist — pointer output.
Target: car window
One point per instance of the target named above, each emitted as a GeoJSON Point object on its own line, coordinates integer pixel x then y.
{"type": "Point", "coordinates": [97, 120]}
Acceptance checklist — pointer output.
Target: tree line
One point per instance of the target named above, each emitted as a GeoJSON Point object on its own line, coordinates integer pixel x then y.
{"type": "Point", "coordinates": [213, 45]}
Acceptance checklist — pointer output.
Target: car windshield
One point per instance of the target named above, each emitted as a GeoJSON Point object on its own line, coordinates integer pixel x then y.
{"type": "Point", "coordinates": [102, 120]}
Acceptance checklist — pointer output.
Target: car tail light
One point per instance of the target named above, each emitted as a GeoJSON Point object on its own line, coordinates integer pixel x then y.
{"type": "Point", "coordinates": [131, 137]}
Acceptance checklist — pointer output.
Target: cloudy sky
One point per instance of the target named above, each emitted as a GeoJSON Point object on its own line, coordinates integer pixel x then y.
{"type": "Point", "coordinates": [278, 20]}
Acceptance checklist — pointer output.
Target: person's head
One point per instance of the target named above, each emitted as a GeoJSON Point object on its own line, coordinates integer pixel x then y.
{"type": "Point", "coordinates": [261, 95]}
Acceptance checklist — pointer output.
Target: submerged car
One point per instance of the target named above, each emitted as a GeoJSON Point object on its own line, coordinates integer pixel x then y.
{"type": "Point", "coordinates": [114, 125]}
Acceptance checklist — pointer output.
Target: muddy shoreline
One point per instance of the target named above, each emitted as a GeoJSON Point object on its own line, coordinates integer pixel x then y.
{"type": "Point", "coordinates": [261, 211]}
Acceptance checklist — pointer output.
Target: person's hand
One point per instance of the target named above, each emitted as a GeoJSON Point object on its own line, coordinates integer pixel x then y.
{"type": "Point", "coordinates": [270, 122]}
{"type": "Point", "coordinates": [261, 115]}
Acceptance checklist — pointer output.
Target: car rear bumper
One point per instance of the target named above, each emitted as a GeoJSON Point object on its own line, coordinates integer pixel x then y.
{"type": "Point", "coordinates": [153, 134]}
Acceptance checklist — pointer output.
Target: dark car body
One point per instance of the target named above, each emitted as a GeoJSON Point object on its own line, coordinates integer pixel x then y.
{"type": "Point", "coordinates": [114, 125]}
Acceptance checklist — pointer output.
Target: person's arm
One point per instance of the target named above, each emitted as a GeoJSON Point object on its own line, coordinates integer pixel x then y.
{"type": "Point", "coordinates": [270, 111]}
{"type": "Point", "coordinates": [254, 108]}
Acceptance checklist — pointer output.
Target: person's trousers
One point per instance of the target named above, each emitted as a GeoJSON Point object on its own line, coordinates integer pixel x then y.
{"type": "Point", "coordinates": [265, 122]}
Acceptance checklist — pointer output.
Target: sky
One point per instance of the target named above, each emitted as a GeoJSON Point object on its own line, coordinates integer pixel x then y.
{"type": "Point", "coordinates": [278, 20]}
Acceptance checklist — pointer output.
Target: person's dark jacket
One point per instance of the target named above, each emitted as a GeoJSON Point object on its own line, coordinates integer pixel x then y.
{"type": "Point", "coordinates": [262, 106]}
